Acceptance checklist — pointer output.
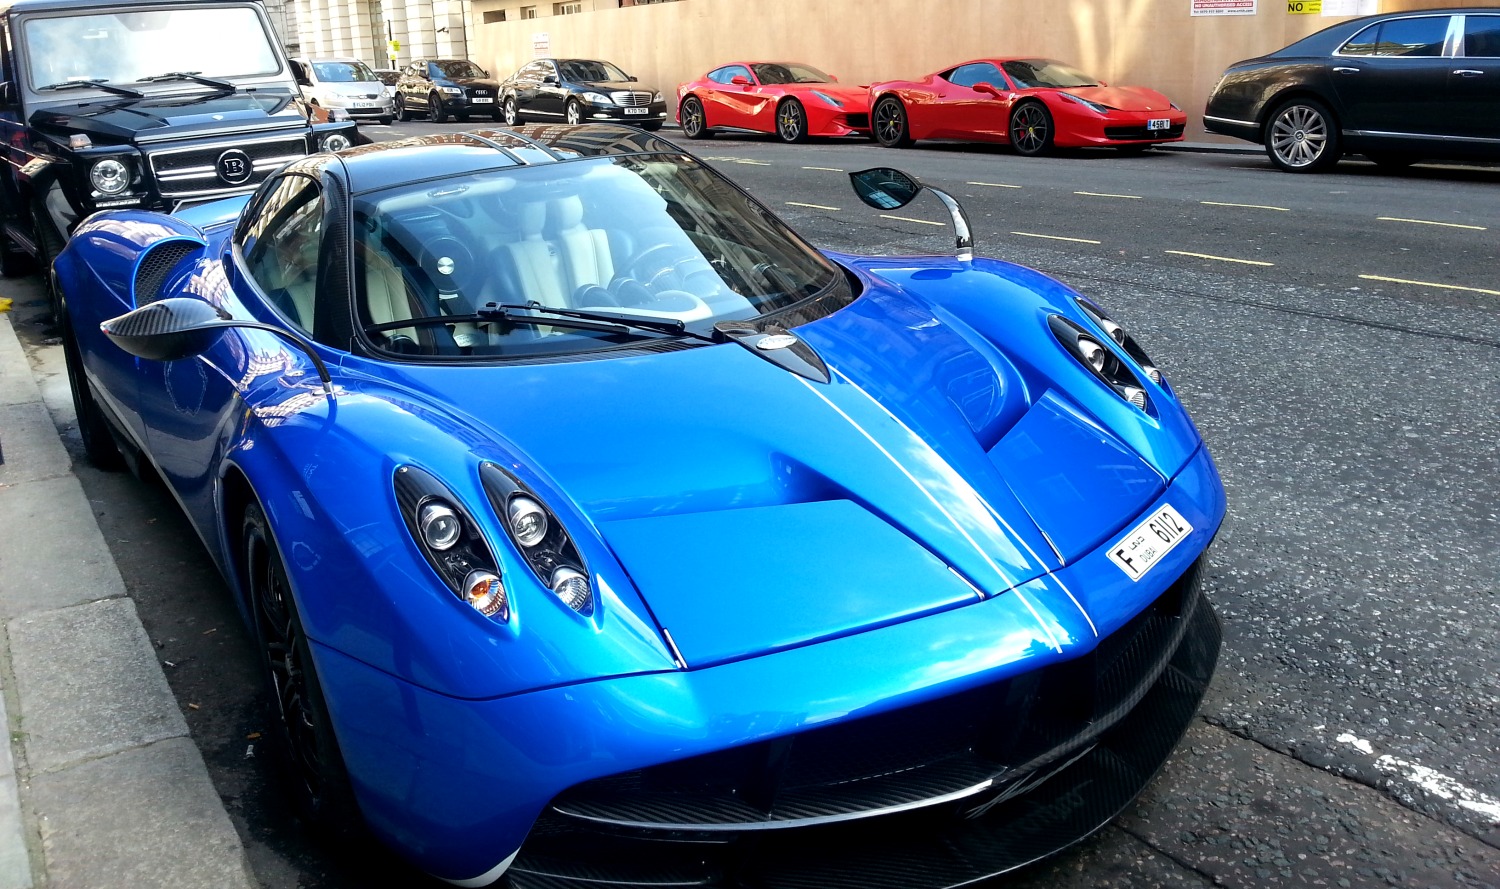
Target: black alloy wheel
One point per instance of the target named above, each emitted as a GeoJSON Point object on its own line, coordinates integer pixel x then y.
{"type": "Point", "coordinates": [694, 124]}
{"type": "Point", "coordinates": [1031, 129]}
{"type": "Point", "coordinates": [891, 129]}
{"type": "Point", "coordinates": [574, 112]}
{"type": "Point", "coordinates": [1302, 137]}
{"type": "Point", "coordinates": [435, 110]}
{"type": "Point", "coordinates": [98, 441]}
{"type": "Point", "coordinates": [301, 728]}
{"type": "Point", "coordinates": [512, 113]}
{"type": "Point", "coordinates": [402, 114]}
{"type": "Point", "coordinates": [791, 121]}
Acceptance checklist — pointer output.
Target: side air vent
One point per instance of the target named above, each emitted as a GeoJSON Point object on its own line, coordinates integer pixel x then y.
{"type": "Point", "coordinates": [152, 270]}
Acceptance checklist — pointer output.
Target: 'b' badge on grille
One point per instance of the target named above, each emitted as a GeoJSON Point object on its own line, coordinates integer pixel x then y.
{"type": "Point", "coordinates": [234, 167]}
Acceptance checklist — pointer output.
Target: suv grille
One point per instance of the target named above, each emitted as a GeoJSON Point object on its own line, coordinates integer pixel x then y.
{"type": "Point", "coordinates": [631, 99]}
{"type": "Point", "coordinates": [185, 172]}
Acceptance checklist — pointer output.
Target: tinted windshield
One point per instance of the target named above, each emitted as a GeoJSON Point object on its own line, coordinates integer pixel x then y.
{"type": "Point", "coordinates": [1028, 73]}
{"type": "Point", "coordinates": [458, 68]}
{"type": "Point", "coordinates": [389, 78]}
{"type": "Point", "coordinates": [652, 236]}
{"type": "Point", "coordinates": [789, 73]}
{"type": "Point", "coordinates": [123, 47]}
{"type": "Point", "coordinates": [588, 71]}
{"type": "Point", "coordinates": [344, 72]}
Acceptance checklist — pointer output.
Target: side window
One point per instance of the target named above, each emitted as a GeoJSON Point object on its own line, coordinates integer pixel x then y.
{"type": "Point", "coordinates": [979, 72]}
{"type": "Point", "coordinates": [738, 71]}
{"type": "Point", "coordinates": [1416, 37]}
{"type": "Point", "coordinates": [433, 71]}
{"type": "Point", "coordinates": [532, 72]}
{"type": "Point", "coordinates": [280, 244]}
{"type": "Point", "coordinates": [1482, 36]}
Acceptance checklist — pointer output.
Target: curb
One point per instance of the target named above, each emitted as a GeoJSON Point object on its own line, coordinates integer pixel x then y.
{"type": "Point", "coordinates": [100, 783]}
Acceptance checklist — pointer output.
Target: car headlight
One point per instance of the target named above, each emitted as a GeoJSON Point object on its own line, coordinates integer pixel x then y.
{"type": "Point", "coordinates": [450, 540]}
{"type": "Point", "coordinates": [1092, 106]}
{"type": "Point", "coordinates": [1127, 342]}
{"type": "Point", "coordinates": [335, 142]}
{"type": "Point", "coordinates": [546, 547]}
{"type": "Point", "coordinates": [1175, 106]}
{"type": "Point", "coordinates": [1099, 360]}
{"type": "Point", "coordinates": [597, 99]}
{"type": "Point", "coordinates": [829, 99]}
{"type": "Point", "coordinates": [109, 176]}
{"type": "Point", "coordinates": [656, 96]}
{"type": "Point", "coordinates": [452, 90]}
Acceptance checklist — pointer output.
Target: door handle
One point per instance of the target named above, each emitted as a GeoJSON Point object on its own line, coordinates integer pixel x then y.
{"type": "Point", "coordinates": [1468, 72]}
{"type": "Point", "coordinates": [1346, 70]}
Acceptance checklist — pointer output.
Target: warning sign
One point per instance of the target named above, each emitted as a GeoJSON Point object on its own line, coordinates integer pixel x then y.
{"type": "Point", "coordinates": [1304, 7]}
{"type": "Point", "coordinates": [1224, 7]}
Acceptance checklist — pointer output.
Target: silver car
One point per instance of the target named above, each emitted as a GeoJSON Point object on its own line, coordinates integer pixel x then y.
{"type": "Point", "coordinates": [346, 84]}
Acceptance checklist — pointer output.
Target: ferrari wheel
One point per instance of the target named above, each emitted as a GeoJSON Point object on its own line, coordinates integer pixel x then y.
{"type": "Point", "coordinates": [574, 113]}
{"type": "Point", "coordinates": [435, 109]}
{"type": "Point", "coordinates": [1031, 129]}
{"type": "Point", "coordinates": [694, 124]}
{"type": "Point", "coordinates": [791, 121]}
{"type": "Point", "coordinates": [301, 728]}
{"type": "Point", "coordinates": [1302, 137]}
{"type": "Point", "coordinates": [890, 126]}
{"type": "Point", "coordinates": [98, 442]}
{"type": "Point", "coordinates": [512, 113]}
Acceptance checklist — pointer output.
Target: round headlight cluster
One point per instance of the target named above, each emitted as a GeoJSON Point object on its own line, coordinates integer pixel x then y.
{"type": "Point", "coordinates": [109, 176]}
{"type": "Point", "coordinates": [440, 525]}
{"type": "Point", "coordinates": [1093, 354]}
{"type": "Point", "coordinates": [336, 142]}
{"type": "Point", "coordinates": [483, 591]}
{"type": "Point", "coordinates": [528, 521]}
{"type": "Point", "coordinates": [542, 540]}
{"type": "Point", "coordinates": [572, 588]}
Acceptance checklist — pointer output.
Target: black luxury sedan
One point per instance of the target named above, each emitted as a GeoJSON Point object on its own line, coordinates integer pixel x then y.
{"type": "Point", "coordinates": [441, 87]}
{"type": "Point", "coordinates": [579, 91]}
{"type": "Point", "coordinates": [1397, 88]}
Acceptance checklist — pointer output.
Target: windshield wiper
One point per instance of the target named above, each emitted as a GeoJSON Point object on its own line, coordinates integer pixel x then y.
{"type": "Point", "coordinates": [190, 75]}
{"type": "Point", "coordinates": [95, 83]}
{"type": "Point", "coordinates": [601, 322]}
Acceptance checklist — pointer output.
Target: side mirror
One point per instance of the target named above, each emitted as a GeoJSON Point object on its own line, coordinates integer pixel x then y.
{"type": "Point", "coordinates": [484, 73]}
{"type": "Point", "coordinates": [740, 80]}
{"type": "Point", "coordinates": [549, 78]}
{"type": "Point", "coordinates": [987, 88]}
{"type": "Point", "coordinates": [181, 327]}
{"type": "Point", "coordinates": [1102, 83]}
{"type": "Point", "coordinates": [632, 78]}
{"type": "Point", "coordinates": [886, 188]}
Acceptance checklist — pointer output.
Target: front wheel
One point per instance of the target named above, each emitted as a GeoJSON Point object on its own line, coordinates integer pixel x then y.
{"type": "Point", "coordinates": [694, 124]}
{"type": "Point", "coordinates": [791, 121]}
{"type": "Point", "coordinates": [651, 126]}
{"type": "Point", "coordinates": [1031, 129]}
{"type": "Point", "coordinates": [435, 109]}
{"type": "Point", "coordinates": [98, 442]}
{"type": "Point", "coordinates": [386, 121]}
{"type": "Point", "coordinates": [574, 113]}
{"type": "Point", "coordinates": [890, 123]}
{"type": "Point", "coordinates": [1302, 138]}
{"type": "Point", "coordinates": [402, 114]}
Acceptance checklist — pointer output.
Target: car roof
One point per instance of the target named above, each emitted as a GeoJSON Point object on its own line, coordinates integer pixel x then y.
{"type": "Point", "coordinates": [421, 158]}
{"type": "Point", "coordinates": [21, 6]}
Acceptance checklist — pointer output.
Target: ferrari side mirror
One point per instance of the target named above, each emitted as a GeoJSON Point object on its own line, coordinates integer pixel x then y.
{"type": "Point", "coordinates": [987, 88]}
{"type": "Point", "coordinates": [886, 188]}
{"type": "Point", "coordinates": [740, 80]}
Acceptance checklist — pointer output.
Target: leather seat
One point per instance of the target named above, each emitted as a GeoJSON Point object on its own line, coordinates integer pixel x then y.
{"type": "Point", "coordinates": [585, 259]}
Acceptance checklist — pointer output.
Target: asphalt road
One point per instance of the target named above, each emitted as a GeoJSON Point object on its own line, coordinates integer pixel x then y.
{"type": "Point", "coordinates": [1337, 339]}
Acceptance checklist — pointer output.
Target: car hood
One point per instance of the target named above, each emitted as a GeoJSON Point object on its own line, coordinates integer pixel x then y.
{"type": "Point", "coordinates": [1125, 98]}
{"type": "Point", "coordinates": [122, 119]}
{"type": "Point", "coordinates": [480, 82]}
{"type": "Point", "coordinates": [849, 95]}
{"type": "Point", "coordinates": [368, 89]}
{"type": "Point", "coordinates": [755, 509]}
{"type": "Point", "coordinates": [615, 85]}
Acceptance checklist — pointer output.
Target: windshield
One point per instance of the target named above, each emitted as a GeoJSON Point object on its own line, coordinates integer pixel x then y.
{"type": "Point", "coordinates": [789, 72]}
{"type": "Point", "coordinates": [589, 71]}
{"type": "Point", "coordinates": [344, 72]}
{"type": "Point", "coordinates": [1028, 73]}
{"type": "Point", "coordinates": [124, 47]}
{"type": "Point", "coordinates": [389, 78]}
{"type": "Point", "coordinates": [657, 237]}
{"type": "Point", "coordinates": [458, 68]}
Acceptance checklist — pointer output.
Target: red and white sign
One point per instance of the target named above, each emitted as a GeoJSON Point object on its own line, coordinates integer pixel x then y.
{"type": "Point", "coordinates": [1223, 7]}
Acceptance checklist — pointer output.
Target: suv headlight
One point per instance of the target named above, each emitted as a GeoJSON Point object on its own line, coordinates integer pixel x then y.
{"type": "Point", "coordinates": [598, 99]}
{"type": "Point", "coordinates": [109, 176]}
{"type": "Point", "coordinates": [452, 90]}
{"type": "Point", "coordinates": [334, 142]}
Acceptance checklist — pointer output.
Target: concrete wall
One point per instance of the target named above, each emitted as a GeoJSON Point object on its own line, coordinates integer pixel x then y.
{"type": "Point", "coordinates": [1152, 43]}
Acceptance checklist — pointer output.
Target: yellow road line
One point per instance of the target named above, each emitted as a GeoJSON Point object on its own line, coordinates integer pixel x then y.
{"type": "Point", "coordinates": [994, 185]}
{"type": "Point", "coordinates": [1055, 238]}
{"type": "Point", "coordinates": [909, 219]}
{"type": "Point", "coordinates": [1095, 194]}
{"type": "Point", "coordinates": [1219, 258]}
{"type": "Point", "coordinates": [1431, 284]}
{"type": "Point", "coordinates": [825, 169]}
{"type": "Point", "coordinates": [1246, 206]}
{"type": "Point", "coordinates": [1475, 228]}
{"type": "Point", "coordinates": [809, 206]}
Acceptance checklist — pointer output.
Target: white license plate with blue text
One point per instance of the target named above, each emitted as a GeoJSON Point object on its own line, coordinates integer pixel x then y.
{"type": "Point", "coordinates": [1161, 123]}
{"type": "Point", "coordinates": [1150, 541]}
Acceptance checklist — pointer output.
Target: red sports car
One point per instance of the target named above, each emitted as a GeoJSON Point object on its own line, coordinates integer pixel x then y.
{"type": "Point", "coordinates": [1034, 104]}
{"type": "Point", "coordinates": [790, 99]}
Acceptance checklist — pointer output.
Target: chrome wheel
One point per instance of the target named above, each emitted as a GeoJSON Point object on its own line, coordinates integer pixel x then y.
{"type": "Point", "coordinates": [791, 122]}
{"type": "Point", "coordinates": [512, 117]}
{"type": "Point", "coordinates": [1031, 129]}
{"type": "Point", "coordinates": [890, 123]}
{"type": "Point", "coordinates": [694, 125]}
{"type": "Point", "coordinates": [1301, 137]}
{"type": "Point", "coordinates": [575, 113]}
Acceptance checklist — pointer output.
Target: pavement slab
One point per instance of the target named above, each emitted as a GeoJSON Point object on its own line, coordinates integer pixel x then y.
{"type": "Point", "coordinates": [68, 565]}
{"type": "Point", "coordinates": [29, 444]}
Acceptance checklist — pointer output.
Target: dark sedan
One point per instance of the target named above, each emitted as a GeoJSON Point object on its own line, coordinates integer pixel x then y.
{"type": "Point", "coordinates": [579, 91]}
{"type": "Point", "coordinates": [1396, 88]}
{"type": "Point", "coordinates": [441, 87]}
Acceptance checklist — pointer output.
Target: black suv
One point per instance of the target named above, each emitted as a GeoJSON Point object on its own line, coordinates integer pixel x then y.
{"type": "Point", "coordinates": [580, 91]}
{"type": "Point", "coordinates": [442, 87]}
{"type": "Point", "coordinates": [145, 104]}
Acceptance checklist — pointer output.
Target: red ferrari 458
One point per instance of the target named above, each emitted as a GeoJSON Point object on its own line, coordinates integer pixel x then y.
{"type": "Point", "coordinates": [1034, 104]}
{"type": "Point", "coordinates": [790, 99]}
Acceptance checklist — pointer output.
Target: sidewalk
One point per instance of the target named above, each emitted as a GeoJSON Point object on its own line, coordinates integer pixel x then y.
{"type": "Point", "coordinates": [100, 785]}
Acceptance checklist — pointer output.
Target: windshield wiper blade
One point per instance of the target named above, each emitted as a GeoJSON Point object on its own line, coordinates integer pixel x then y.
{"type": "Point", "coordinates": [95, 83]}
{"type": "Point", "coordinates": [189, 75]}
{"type": "Point", "coordinates": [673, 326]}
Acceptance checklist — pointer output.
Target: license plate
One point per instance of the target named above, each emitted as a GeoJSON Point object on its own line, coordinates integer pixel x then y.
{"type": "Point", "coordinates": [637, 110]}
{"type": "Point", "coordinates": [363, 105]}
{"type": "Point", "coordinates": [1160, 123]}
{"type": "Point", "coordinates": [1147, 543]}
{"type": "Point", "coordinates": [483, 100]}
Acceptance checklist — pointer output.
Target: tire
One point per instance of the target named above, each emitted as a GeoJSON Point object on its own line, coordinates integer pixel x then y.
{"type": "Point", "coordinates": [98, 441]}
{"type": "Point", "coordinates": [386, 121]}
{"type": "Point", "coordinates": [889, 124]}
{"type": "Point", "coordinates": [300, 727]}
{"type": "Point", "coordinates": [573, 113]}
{"type": "Point", "coordinates": [49, 244]}
{"type": "Point", "coordinates": [1031, 129]}
{"type": "Point", "coordinates": [435, 110]}
{"type": "Point", "coordinates": [1302, 137]}
{"type": "Point", "coordinates": [791, 122]}
{"type": "Point", "coordinates": [1391, 162]}
{"type": "Point", "coordinates": [512, 114]}
{"type": "Point", "coordinates": [1132, 150]}
{"type": "Point", "coordinates": [402, 114]}
{"type": "Point", "coordinates": [461, 117]}
{"type": "Point", "coordinates": [694, 122]}
{"type": "Point", "coordinates": [652, 126]}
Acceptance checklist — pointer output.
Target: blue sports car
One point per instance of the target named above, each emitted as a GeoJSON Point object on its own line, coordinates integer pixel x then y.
{"type": "Point", "coordinates": [596, 528]}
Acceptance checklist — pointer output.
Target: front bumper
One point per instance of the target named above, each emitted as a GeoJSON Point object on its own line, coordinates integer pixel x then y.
{"type": "Point", "coordinates": [1123, 128]}
{"type": "Point", "coordinates": [928, 753]}
{"type": "Point", "coordinates": [655, 113]}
